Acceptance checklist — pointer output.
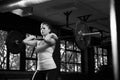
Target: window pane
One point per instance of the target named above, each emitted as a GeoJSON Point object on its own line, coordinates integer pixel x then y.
{"type": "Point", "coordinates": [14, 61]}
{"type": "Point", "coordinates": [67, 67]}
{"type": "Point", "coordinates": [29, 52]}
{"type": "Point", "coordinates": [105, 60]}
{"type": "Point", "coordinates": [69, 45]}
{"type": "Point", "coordinates": [104, 51]}
{"type": "Point", "coordinates": [62, 51]}
{"type": "Point", "coordinates": [70, 68]}
{"type": "Point", "coordinates": [30, 65]}
{"type": "Point", "coordinates": [3, 57]}
{"type": "Point", "coordinates": [78, 57]}
{"type": "Point", "coordinates": [63, 67]}
{"type": "Point", "coordinates": [76, 48]}
{"type": "Point", "coordinates": [3, 50]}
{"type": "Point", "coordinates": [62, 44]}
{"type": "Point", "coordinates": [70, 57]}
{"type": "Point", "coordinates": [100, 58]}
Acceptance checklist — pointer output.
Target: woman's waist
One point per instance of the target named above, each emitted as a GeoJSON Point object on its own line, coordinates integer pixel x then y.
{"type": "Point", "coordinates": [45, 65]}
{"type": "Point", "coordinates": [44, 59]}
{"type": "Point", "coordinates": [42, 56]}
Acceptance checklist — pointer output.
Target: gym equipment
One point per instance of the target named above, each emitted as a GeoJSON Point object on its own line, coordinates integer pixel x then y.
{"type": "Point", "coordinates": [83, 35]}
{"type": "Point", "coordinates": [14, 42]}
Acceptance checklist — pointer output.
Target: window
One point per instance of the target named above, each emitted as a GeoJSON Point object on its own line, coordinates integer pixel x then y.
{"type": "Point", "coordinates": [70, 57]}
{"type": "Point", "coordinates": [100, 57]}
{"type": "Point", "coordinates": [31, 57]}
{"type": "Point", "coordinates": [14, 59]}
{"type": "Point", "coordinates": [14, 63]}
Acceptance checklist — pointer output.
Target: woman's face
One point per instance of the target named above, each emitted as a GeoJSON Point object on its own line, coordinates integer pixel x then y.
{"type": "Point", "coordinates": [44, 29]}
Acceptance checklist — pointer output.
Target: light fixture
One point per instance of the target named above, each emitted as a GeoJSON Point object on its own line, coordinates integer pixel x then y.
{"type": "Point", "coordinates": [26, 3]}
{"type": "Point", "coordinates": [23, 12]}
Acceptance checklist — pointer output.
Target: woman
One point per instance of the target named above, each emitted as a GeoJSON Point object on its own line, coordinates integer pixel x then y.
{"type": "Point", "coordinates": [44, 49]}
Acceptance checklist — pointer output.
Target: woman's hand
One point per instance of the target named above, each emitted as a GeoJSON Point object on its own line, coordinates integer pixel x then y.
{"type": "Point", "coordinates": [32, 37]}
{"type": "Point", "coordinates": [48, 41]}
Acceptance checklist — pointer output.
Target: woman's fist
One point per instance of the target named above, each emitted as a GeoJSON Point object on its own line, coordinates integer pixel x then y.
{"type": "Point", "coordinates": [32, 37]}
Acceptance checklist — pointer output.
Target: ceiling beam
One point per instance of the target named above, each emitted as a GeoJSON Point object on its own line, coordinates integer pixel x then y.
{"type": "Point", "coordinates": [13, 4]}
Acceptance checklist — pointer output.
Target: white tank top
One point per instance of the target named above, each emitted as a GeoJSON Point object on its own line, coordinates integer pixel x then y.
{"type": "Point", "coordinates": [45, 59]}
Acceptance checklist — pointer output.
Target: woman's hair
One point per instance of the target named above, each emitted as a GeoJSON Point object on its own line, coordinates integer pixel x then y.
{"type": "Point", "coordinates": [49, 26]}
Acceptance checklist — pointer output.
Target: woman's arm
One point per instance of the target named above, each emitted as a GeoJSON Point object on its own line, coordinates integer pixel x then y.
{"type": "Point", "coordinates": [51, 39]}
{"type": "Point", "coordinates": [30, 41]}
{"type": "Point", "coordinates": [47, 42]}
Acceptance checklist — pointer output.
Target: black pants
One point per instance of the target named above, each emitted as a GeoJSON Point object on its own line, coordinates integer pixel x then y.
{"type": "Point", "coordinates": [45, 75]}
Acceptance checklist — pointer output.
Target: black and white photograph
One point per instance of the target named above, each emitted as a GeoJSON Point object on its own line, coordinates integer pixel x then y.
{"type": "Point", "coordinates": [59, 39]}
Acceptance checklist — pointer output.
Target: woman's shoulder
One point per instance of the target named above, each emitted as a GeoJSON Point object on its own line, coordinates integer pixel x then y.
{"type": "Point", "coordinates": [54, 35]}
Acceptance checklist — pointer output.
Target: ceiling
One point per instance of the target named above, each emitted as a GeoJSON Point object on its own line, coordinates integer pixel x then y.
{"type": "Point", "coordinates": [54, 11]}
